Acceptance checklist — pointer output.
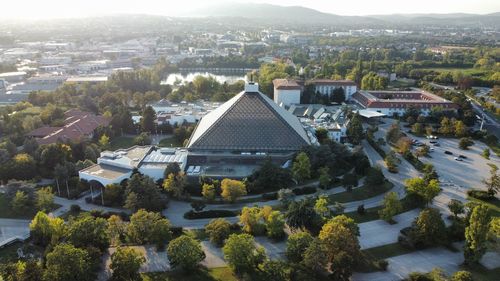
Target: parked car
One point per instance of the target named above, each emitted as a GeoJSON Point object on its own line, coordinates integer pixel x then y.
{"type": "Point", "coordinates": [448, 152]}
{"type": "Point", "coordinates": [462, 156]}
{"type": "Point", "coordinates": [436, 144]}
{"type": "Point", "coordinates": [433, 141]}
{"type": "Point", "coordinates": [458, 159]}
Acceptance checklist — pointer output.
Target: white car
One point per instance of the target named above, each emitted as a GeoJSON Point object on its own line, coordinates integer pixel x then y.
{"type": "Point", "coordinates": [458, 159]}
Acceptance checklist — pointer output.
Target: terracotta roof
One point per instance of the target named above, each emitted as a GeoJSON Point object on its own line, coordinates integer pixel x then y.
{"type": "Point", "coordinates": [286, 84]}
{"type": "Point", "coordinates": [332, 82]}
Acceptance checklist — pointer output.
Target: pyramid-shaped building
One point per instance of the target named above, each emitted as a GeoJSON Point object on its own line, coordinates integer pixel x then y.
{"type": "Point", "coordinates": [245, 130]}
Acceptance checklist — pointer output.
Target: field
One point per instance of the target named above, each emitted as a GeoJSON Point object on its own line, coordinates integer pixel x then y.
{"type": "Point", "coordinates": [121, 142]}
{"type": "Point", "coordinates": [213, 274]}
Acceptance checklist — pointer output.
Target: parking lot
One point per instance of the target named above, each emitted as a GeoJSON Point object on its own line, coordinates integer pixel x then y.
{"type": "Point", "coordinates": [467, 173]}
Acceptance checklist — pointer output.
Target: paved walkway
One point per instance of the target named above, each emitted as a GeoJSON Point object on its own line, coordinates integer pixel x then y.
{"type": "Point", "coordinates": [12, 230]}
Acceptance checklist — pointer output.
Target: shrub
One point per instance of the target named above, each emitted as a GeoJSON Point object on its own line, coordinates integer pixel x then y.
{"type": "Point", "coordinates": [192, 215]}
{"type": "Point", "coordinates": [75, 208]}
{"type": "Point", "coordinates": [382, 264]}
{"type": "Point", "coordinates": [361, 209]}
{"type": "Point", "coordinates": [176, 231]}
{"type": "Point", "coordinates": [270, 196]}
{"type": "Point", "coordinates": [304, 190]}
{"type": "Point", "coordinates": [479, 194]}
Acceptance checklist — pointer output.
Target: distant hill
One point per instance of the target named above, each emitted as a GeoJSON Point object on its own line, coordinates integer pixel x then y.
{"type": "Point", "coordinates": [301, 15]}
{"type": "Point", "coordinates": [269, 12]}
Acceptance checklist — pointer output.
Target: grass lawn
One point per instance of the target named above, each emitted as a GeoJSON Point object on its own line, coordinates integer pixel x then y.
{"type": "Point", "coordinates": [121, 142]}
{"type": "Point", "coordinates": [169, 142]}
{"type": "Point", "coordinates": [482, 273]}
{"type": "Point", "coordinates": [212, 274]}
{"type": "Point", "coordinates": [9, 253]}
{"type": "Point", "coordinates": [360, 193]}
{"type": "Point", "coordinates": [6, 211]}
{"type": "Point", "coordinates": [494, 205]}
{"type": "Point", "coordinates": [387, 251]}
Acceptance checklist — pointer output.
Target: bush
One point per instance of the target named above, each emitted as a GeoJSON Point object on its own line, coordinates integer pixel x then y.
{"type": "Point", "coordinates": [270, 196]}
{"type": "Point", "coordinates": [75, 208]}
{"type": "Point", "coordinates": [176, 231]}
{"type": "Point", "coordinates": [192, 215]}
{"type": "Point", "coordinates": [304, 190]}
{"type": "Point", "coordinates": [480, 194]}
{"type": "Point", "coordinates": [361, 209]}
{"type": "Point", "coordinates": [382, 264]}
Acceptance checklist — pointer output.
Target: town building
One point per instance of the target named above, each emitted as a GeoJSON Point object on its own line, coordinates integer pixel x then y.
{"type": "Point", "coordinates": [392, 103]}
{"type": "Point", "coordinates": [3, 87]}
{"type": "Point", "coordinates": [286, 92]}
{"type": "Point", "coordinates": [326, 87]}
{"type": "Point", "coordinates": [117, 166]}
{"type": "Point", "coordinates": [13, 77]}
{"type": "Point", "coordinates": [78, 125]}
{"type": "Point", "coordinates": [234, 139]}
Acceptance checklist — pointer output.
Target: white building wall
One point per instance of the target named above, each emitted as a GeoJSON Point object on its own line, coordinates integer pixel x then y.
{"type": "Point", "coordinates": [327, 90]}
{"type": "Point", "coordinates": [287, 97]}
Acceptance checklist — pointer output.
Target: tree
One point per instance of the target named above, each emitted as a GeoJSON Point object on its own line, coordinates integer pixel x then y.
{"type": "Point", "coordinates": [339, 235]}
{"type": "Point", "coordinates": [460, 129]}
{"type": "Point", "coordinates": [493, 183]}
{"type": "Point", "coordinates": [232, 189]}
{"type": "Point", "coordinates": [175, 184]}
{"type": "Point", "coordinates": [456, 207]}
{"type": "Point", "coordinates": [476, 234]}
{"type": "Point", "coordinates": [44, 199]}
{"type": "Point", "coordinates": [45, 229]}
{"type": "Point", "coordinates": [322, 135]}
{"type": "Point", "coordinates": [275, 225]}
{"type": "Point", "coordinates": [218, 230]}
{"type": "Point", "coordinates": [104, 141]}
{"type": "Point", "coordinates": [393, 134]}
{"type": "Point", "coordinates": [185, 252]}
{"type": "Point", "coordinates": [446, 127]}
{"type": "Point", "coordinates": [349, 181]}
{"type": "Point", "coordinates": [20, 202]}
{"type": "Point", "coordinates": [314, 255]}
{"type": "Point", "coordinates": [422, 151]}
{"type": "Point", "coordinates": [426, 191]}
{"type": "Point", "coordinates": [208, 191]}
{"type": "Point", "coordinates": [462, 276]}
{"type": "Point", "coordinates": [428, 229]}
{"type": "Point", "coordinates": [324, 177]}
{"type": "Point", "coordinates": [285, 196]}
{"type": "Point", "coordinates": [143, 139]}
{"type": "Point", "coordinates": [148, 227]}
{"type": "Point", "coordinates": [30, 270]}
{"type": "Point", "coordinates": [486, 153]}
{"type": "Point", "coordinates": [301, 214]}
{"type": "Point", "coordinates": [148, 120]}
{"type": "Point", "coordinates": [113, 194]}
{"type": "Point", "coordinates": [132, 202]}
{"type": "Point", "coordinates": [269, 176]}
{"type": "Point", "coordinates": [321, 206]}
{"type": "Point", "coordinates": [275, 270]}
{"type": "Point", "coordinates": [66, 262]}
{"type": "Point", "coordinates": [374, 177]}
{"type": "Point", "coordinates": [301, 168]}
{"type": "Point", "coordinates": [252, 220]}
{"type": "Point", "coordinates": [464, 143]}
{"type": "Point", "coordinates": [296, 245]}
{"type": "Point", "coordinates": [417, 129]}
{"type": "Point", "coordinates": [85, 231]}
{"type": "Point", "coordinates": [392, 206]}
{"type": "Point", "coordinates": [355, 129]}
{"type": "Point", "coordinates": [342, 266]}
{"type": "Point", "coordinates": [338, 95]}
{"type": "Point", "coordinates": [172, 168]}
{"type": "Point", "coordinates": [116, 229]}
{"type": "Point", "coordinates": [403, 145]}
{"type": "Point", "coordinates": [241, 253]}
{"type": "Point", "coordinates": [125, 264]}
{"type": "Point", "coordinates": [23, 167]}
{"type": "Point", "coordinates": [147, 194]}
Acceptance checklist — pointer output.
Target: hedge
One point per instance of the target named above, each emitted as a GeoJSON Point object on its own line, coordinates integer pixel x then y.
{"type": "Point", "coordinates": [270, 196]}
{"type": "Point", "coordinates": [192, 215]}
{"type": "Point", "coordinates": [304, 190]}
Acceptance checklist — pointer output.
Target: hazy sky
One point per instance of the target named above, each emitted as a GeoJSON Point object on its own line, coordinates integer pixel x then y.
{"type": "Point", "coordinates": [22, 9]}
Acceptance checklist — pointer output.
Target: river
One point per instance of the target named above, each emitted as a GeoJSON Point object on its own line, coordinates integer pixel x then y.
{"type": "Point", "coordinates": [188, 77]}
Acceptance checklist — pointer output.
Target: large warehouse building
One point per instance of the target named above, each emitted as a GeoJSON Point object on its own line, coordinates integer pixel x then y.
{"type": "Point", "coordinates": [235, 138]}
{"type": "Point", "coordinates": [393, 103]}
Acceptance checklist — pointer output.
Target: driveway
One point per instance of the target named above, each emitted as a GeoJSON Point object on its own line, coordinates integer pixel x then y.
{"type": "Point", "coordinates": [379, 232]}
{"type": "Point", "coordinates": [13, 229]}
{"type": "Point", "coordinates": [422, 261]}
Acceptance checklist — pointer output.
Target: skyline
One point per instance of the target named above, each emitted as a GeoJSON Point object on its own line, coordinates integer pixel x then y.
{"type": "Point", "coordinates": [50, 9]}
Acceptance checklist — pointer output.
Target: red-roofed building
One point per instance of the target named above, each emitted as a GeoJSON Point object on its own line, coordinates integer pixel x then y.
{"type": "Point", "coordinates": [79, 125]}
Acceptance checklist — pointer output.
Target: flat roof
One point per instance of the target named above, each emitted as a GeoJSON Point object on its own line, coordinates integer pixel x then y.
{"type": "Point", "coordinates": [105, 171]}
{"type": "Point", "coordinates": [15, 73]}
{"type": "Point", "coordinates": [88, 79]}
{"type": "Point", "coordinates": [370, 113]}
